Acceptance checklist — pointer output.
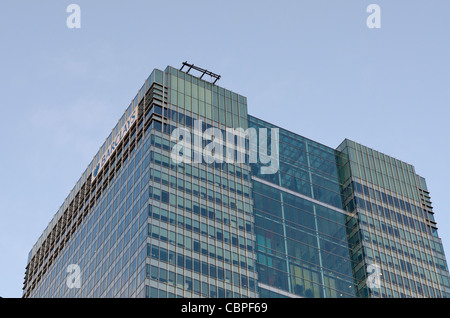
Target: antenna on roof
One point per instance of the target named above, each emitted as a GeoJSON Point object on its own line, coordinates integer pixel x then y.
{"type": "Point", "coordinates": [201, 70]}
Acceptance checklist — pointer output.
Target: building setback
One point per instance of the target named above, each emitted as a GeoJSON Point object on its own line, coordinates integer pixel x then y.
{"type": "Point", "coordinates": [345, 222]}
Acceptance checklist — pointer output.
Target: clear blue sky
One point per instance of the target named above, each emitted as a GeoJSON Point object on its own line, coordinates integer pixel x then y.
{"type": "Point", "coordinates": [311, 66]}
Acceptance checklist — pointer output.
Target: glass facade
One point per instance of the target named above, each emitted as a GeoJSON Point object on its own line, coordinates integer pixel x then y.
{"type": "Point", "coordinates": [148, 226]}
{"type": "Point", "coordinates": [394, 224]}
{"type": "Point", "coordinates": [200, 226]}
{"type": "Point", "coordinates": [301, 226]}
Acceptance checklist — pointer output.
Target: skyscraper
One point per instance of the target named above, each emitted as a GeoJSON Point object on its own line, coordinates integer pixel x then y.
{"type": "Point", "coordinates": [165, 210]}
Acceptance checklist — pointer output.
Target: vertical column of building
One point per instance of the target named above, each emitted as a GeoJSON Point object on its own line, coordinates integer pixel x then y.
{"type": "Point", "coordinates": [98, 238]}
{"type": "Point", "coordinates": [354, 232]}
{"type": "Point", "coordinates": [200, 226]}
{"type": "Point", "coordinates": [400, 247]}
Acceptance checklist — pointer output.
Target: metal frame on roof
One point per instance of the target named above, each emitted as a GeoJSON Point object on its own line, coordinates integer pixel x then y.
{"type": "Point", "coordinates": [201, 70]}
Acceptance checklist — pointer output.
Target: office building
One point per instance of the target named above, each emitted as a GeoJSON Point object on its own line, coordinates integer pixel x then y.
{"type": "Point", "coordinates": [322, 222]}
